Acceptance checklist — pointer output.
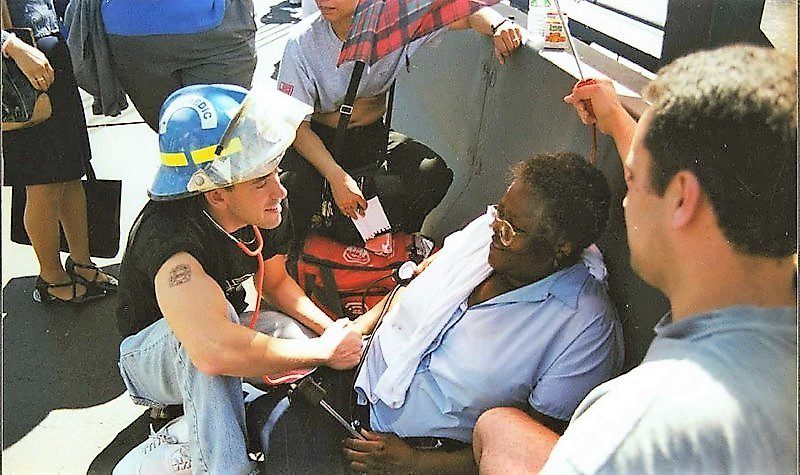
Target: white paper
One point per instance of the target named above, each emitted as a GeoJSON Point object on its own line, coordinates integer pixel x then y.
{"type": "Point", "coordinates": [374, 221]}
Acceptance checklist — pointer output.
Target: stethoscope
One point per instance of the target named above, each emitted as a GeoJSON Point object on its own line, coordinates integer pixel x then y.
{"type": "Point", "coordinates": [259, 278]}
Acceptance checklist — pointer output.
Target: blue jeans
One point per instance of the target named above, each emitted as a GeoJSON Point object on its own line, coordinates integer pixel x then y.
{"type": "Point", "coordinates": [158, 372]}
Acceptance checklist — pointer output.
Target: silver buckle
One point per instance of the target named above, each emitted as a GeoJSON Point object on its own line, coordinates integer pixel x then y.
{"type": "Point", "coordinates": [346, 109]}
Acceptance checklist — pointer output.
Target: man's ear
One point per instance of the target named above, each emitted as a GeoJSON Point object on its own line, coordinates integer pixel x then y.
{"type": "Point", "coordinates": [685, 198]}
{"type": "Point", "coordinates": [215, 198]}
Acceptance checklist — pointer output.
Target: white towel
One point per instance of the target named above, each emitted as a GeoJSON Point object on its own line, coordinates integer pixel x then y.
{"type": "Point", "coordinates": [426, 306]}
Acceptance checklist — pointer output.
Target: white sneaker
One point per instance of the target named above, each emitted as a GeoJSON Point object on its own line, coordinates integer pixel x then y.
{"type": "Point", "coordinates": [164, 452]}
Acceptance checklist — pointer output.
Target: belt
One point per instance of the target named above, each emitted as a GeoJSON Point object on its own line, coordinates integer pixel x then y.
{"type": "Point", "coordinates": [420, 443]}
{"type": "Point", "coordinates": [435, 443]}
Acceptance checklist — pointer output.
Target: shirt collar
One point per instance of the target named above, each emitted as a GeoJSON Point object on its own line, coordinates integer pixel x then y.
{"type": "Point", "coordinates": [714, 321]}
{"type": "Point", "coordinates": [565, 285]}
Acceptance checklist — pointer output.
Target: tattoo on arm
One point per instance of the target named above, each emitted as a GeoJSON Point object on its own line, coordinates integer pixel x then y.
{"type": "Point", "coordinates": [179, 274]}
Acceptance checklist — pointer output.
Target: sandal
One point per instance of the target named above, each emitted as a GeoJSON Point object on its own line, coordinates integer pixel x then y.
{"type": "Point", "coordinates": [41, 292]}
{"type": "Point", "coordinates": [109, 285]}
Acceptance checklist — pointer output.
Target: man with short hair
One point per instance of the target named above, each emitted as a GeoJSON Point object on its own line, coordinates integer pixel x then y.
{"type": "Point", "coordinates": [215, 197]}
{"type": "Point", "coordinates": [710, 212]}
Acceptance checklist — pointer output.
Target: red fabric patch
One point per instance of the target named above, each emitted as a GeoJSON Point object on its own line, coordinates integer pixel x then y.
{"type": "Point", "coordinates": [285, 88]}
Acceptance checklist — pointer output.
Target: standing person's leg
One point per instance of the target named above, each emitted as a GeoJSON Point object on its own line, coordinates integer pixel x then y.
{"type": "Point", "coordinates": [73, 146]}
{"type": "Point", "coordinates": [224, 55]}
{"type": "Point", "coordinates": [41, 223]}
{"type": "Point", "coordinates": [146, 68]}
{"type": "Point", "coordinates": [158, 372]}
{"type": "Point", "coordinates": [72, 215]}
{"type": "Point", "coordinates": [425, 175]}
{"type": "Point", "coordinates": [74, 221]}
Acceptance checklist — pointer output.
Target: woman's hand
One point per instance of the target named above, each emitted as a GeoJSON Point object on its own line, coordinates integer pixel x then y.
{"type": "Point", "coordinates": [379, 452]}
{"type": "Point", "coordinates": [32, 62]}
{"type": "Point", "coordinates": [507, 38]}
{"type": "Point", "coordinates": [348, 196]}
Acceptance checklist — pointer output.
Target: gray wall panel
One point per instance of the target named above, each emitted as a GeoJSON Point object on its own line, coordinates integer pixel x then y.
{"type": "Point", "coordinates": [482, 117]}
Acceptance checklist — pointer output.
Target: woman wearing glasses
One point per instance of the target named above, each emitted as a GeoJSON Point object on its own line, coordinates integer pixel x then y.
{"type": "Point", "coordinates": [507, 313]}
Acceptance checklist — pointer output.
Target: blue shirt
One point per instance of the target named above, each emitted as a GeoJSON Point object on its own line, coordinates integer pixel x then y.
{"type": "Point", "coordinates": [546, 345]}
{"type": "Point", "coordinates": [716, 393]}
{"type": "Point", "coordinates": [161, 17]}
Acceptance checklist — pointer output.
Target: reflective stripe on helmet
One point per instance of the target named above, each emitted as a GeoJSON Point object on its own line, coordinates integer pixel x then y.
{"type": "Point", "coordinates": [201, 155]}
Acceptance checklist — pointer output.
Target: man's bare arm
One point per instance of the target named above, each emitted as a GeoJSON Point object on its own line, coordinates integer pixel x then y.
{"type": "Point", "coordinates": [283, 293]}
{"type": "Point", "coordinates": [508, 440]}
{"type": "Point", "coordinates": [366, 322]}
{"type": "Point", "coordinates": [607, 112]}
{"type": "Point", "coordinates": [197, 312]}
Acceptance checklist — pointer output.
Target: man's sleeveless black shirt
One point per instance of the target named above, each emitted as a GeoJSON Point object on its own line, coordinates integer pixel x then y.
{"type": "Point", "coordinates": [164, 229]}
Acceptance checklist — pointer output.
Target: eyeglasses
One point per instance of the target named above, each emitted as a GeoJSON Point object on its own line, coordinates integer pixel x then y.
{"type": "Point", "coordinates": [507, 232]}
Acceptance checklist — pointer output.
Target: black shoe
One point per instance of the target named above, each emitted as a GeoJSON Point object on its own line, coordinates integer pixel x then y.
{"type": "Point", "coordinates": [93, 286]}
{"type": "Point", "coordinates": [41, 292]}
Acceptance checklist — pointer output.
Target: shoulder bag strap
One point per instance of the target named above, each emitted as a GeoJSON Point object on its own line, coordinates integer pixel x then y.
{"type": "Point", "coordinates": [346, 109]}
{"type": "Point", "coordinates": [389, 108]}
{"type": "Point", "coordinates": [90, 176]}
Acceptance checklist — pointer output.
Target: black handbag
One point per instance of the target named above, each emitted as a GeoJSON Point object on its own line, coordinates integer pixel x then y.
{"type": "Point", "coordinates": [22, 105]}
{"type": "Point", "coordinates": [374, 180]}
{"type": "Point", "coordinates": [102, 210]}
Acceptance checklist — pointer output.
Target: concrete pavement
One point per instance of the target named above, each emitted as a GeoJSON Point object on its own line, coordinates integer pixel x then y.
{"type": "Point", "coordinates": [64, 406]}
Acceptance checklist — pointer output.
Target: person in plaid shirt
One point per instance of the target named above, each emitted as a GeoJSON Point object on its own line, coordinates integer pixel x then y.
{"type": "Point", "coordinates": [309, 73]}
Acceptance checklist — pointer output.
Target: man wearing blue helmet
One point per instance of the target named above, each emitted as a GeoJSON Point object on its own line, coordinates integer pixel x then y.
{"type": "Point", "coordinates": [215, 203]}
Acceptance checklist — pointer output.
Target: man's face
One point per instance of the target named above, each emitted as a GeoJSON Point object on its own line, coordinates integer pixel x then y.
{"type": "Point", "coordinates": [337, 10]}
{"type": "Point", "coordinates": [644, 210]}
{"type": "Point", "coordinates": [257, 201]}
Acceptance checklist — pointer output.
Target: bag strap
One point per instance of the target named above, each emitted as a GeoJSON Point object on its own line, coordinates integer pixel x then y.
{"type": "Point", "coordinates": [389, 108]}
{"type": "Point", "coordinates": [346, 109]}
{"type": "Point", "coordinates": [90, 176]}
{"type": "Point", "coordinates": [327, 294]}
{"type": "Point", "coordinates": [6, 19]}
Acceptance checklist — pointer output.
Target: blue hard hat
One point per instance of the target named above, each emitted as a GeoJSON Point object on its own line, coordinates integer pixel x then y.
{"type": "Point", "coordinates": [256, 127]}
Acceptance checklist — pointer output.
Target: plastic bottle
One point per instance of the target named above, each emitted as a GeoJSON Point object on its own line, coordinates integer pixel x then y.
{"type": "Point", "coordinates": [537, 18]}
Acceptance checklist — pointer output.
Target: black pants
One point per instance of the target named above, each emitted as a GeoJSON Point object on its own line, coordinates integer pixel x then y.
{"type": "Point", "coordinates": [423, 175]}
{"type": "Point", "coordinates": [305, 440]}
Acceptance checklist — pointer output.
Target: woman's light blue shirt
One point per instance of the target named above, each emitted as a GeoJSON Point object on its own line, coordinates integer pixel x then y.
{"type": "Point", "coordinates": [546, 345]}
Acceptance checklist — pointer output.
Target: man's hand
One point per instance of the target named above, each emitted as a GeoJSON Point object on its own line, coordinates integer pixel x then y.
{"type": "Point", "coordinates": [344, 344]}
{"type": "Point", "coordinates": [379, 452]}
{"type": "Point", "coordinates": [348, 196]}
{"type": "Point", "coordinates": [507, 38]}
{"type": "Point", "coordinates": [32, 62]}
{"type": "Point", "coordinates": [605, 105]}
{"type": "Point", "coordinates": [606, 111]}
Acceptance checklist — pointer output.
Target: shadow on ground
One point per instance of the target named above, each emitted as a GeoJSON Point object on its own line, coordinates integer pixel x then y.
{"type": "Point", "coordinates": [282, 14]}
{"type": "Point", "coordinates": [55, 356]}
{"type": "Point", "coordinates": [126, 440]}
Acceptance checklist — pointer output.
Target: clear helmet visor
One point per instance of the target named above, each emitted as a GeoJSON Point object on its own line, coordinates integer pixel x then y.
{"type": "Point", "coordinates": [254, 142]}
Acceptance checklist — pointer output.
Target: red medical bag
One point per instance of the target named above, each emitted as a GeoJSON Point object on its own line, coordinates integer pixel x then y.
{"type": "Point", "coordinates": [346, 281]}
